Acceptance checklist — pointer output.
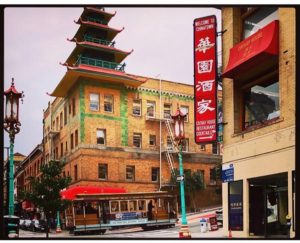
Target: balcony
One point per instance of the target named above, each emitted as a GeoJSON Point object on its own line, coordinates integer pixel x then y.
{"type": "Point", "coordinates": [98, 41]}
{"type": "Point", "coordinates": [99, 21]}
{"type": "Point", "coordinates": [100, 63]}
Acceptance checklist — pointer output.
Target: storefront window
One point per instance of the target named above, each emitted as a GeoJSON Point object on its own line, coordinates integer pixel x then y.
{"type": "Point", "coordinates": [261, 102]}
{"type": "Point", "coordinates": [235, 205]}
{"type": "Point", "coordinates": [258, 19]}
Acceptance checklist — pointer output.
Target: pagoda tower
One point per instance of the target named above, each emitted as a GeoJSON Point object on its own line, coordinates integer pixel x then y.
{"type": "Point", "coordinates": [95, 55]}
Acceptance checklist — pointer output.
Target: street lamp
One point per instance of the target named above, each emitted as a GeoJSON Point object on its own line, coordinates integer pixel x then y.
{"type": "Point", "coordinates": [179, 136]}
{"type": "Point", "coordinates": [11, 125]}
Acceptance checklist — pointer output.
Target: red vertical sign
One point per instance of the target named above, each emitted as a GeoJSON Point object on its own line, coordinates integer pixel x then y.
{"type": "Point", "coordinates": [205, 83]}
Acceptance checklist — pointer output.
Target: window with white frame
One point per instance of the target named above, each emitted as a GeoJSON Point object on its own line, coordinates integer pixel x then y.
{"type": "Point", "coordinates": [137, 107]}
{"type": "Point", "coordinates": [167, 111]}
{"type": "Point", "coordinates": [101, 136]}
{"type": "Point", "coordinates": [169, 144]}
{"type": "Point", "coordinates": [108, 103]}
{"type": "Point", "coordinates": [151, 109]}
{"type": "Point", "coordinates": [137, 140]}
{"type": "Point", "coordinates": [94, 102]}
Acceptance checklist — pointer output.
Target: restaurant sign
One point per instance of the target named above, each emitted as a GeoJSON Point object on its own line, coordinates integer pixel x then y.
{"type": "Point", "coordinates": [205, 83]}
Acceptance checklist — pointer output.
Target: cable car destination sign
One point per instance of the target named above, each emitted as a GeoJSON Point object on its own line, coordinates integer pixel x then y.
{"type": "Point", "coordinates": [205, 83]}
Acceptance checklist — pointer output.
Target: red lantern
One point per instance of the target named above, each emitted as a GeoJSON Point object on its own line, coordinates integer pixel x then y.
{"type": "Point", "coordinates": [179, 124]}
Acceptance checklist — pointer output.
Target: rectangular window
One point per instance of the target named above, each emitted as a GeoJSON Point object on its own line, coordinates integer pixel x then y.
{"type": "Point", "coordinates": [66, 147]}
{"type": "Point", "coordinates": [61, 149]}
{"type": "Point", "coordinates": [75, 173]}
{"type": "Point", "coordinates": [154, 174]}
{"type": "Point", "coordinates": [169, 144]}
{"type": "Point", "coordinates": [114, 206]}
{"type": "Point", "coordinates": [259, 18]}
{"type": "Point", "coordinates": [235, 205]}
{"type": "Point", "coordinates": [73, 107]}
{"type": "Point", "coordinates": [167, 111]}
{"type": "Point", "coordinates": [72, 141]}
{"type": "Point", "coordinates": [124, 206]}
{"type": "Point", "coordinates": [94, 102]}
{"type": "Point", "coordinates": [151, 109]}
{"type": "Point", "coordinates": [65, 115]}
{"type": "Point", "coordinates": [102, 171]}
{"type": "Point", "coordinates": [185, 110]}
{"type": "Point", "coordinates": [130, 173]}
{"type": "Point", "coordinates": [137, 107]}
{"type": "Point", "coordinates": [70, 108]}
{"type": "Point", "coordinates": [101, 136]}
{"type": "Point", "coordinates": [108, 103]}
{"type": "Point", "coordinates": [61, 120]}
{"type": "Point", "coordinates": [142, 205]}
{"type": "Point", "coordinates": [57, 123]}
{"type": "Point", "coordinates": [215, 148]}
{"type": "Point", "coordinates": [76, 138]}
{"type": "Point", "coordinates": [212, 176]}
{"type": "Point", "coordinates": [185, 145]}
{"type": "Point", "coordinates": [152, 140]}
{"type": "Point", "coordinates": [137, 140]}
{"type": "Point", "coordinates": [132, 205]}
{"type": "Point", "coordinates": [261, 102]}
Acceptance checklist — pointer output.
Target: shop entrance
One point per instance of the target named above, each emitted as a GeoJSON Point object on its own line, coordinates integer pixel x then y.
{"type": "Point", "coordinates": [268, 205]}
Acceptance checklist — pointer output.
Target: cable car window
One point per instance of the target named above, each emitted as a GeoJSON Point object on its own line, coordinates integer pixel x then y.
{"type": "Point", "coordinates": [124, 206]}
{"type": "Point", "coordinates": [132, 206]}
{"type": "Point", "coordinates": [114, 206]}
{"type": "Point", "coordinates": [142, 205]}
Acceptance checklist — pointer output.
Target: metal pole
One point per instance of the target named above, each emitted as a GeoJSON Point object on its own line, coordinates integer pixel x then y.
{"type": "Point", "coordinates": [182, 197]}
{"type": "Point", "coordinates": [160, 134]}
{"type": "Point", "coordinates": [58, 228]}
{"type": "Point", "coordinates": [184, 230]}
{"type": "Point", "coordinates": [11, 210]}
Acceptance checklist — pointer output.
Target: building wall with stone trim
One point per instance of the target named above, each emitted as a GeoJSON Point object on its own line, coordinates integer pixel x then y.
{"type": "Point", "coordinates": [269, 149]}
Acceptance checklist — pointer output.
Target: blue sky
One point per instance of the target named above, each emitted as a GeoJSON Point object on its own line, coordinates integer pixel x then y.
{"type": "Point", "coordinates": [35, 41]}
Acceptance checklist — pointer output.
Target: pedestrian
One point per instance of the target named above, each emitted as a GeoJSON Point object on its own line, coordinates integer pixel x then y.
{"type": "Point", "coordinates": [150, 207]}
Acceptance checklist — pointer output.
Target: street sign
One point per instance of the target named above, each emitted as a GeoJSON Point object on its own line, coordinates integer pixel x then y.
{"type": "Point", "coordinates": [227, 173]}
{"type": "Point", "coordinates": [180, 178]}
{"type": "Point", "coordinates": [205, 79]}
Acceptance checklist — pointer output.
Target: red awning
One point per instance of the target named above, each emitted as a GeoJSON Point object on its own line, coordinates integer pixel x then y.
{"type": "Point", "coordinates": [70, 193]}
{"type": "Point", "coordinates": [259, 49]}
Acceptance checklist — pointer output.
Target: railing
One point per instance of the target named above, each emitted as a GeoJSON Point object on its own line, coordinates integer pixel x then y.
{"type": "Point", "coordinates": [98, 41]}
{"type": "Point", "coordinates": [99, 21]}
{"type": "Point", "coordinates": [100, 63]}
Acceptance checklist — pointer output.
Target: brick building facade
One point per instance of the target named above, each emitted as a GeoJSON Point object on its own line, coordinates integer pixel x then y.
{"type": "Point", "coordinates": [259, 113]}
{"type": "Point", "coordinates": [106, 123]}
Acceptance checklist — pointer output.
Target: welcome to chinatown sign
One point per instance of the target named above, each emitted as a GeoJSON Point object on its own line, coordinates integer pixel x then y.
{"type": "Point", "coordinates": [205, 83]}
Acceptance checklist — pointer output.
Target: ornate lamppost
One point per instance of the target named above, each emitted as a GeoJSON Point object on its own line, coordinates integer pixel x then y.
{"type": "Point", "coordinates": [12, 126]}
{"type": "Point", "coordinates": [179, 137]}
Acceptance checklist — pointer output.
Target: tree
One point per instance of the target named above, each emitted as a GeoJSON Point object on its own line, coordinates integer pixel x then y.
{"type": "Point", "coordinates": [45, 192]}
{"type": "Point", "coordinates": [193, 182]}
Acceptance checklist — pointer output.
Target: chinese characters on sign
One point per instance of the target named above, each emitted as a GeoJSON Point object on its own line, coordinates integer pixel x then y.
{"type": "Point", "coordinates": [205, 79]}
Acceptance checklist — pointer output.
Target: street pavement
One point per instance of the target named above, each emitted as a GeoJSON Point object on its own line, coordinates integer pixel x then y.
{"type": "Point", "coordinates": [137, 232]}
